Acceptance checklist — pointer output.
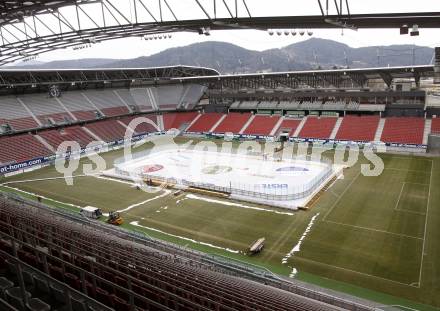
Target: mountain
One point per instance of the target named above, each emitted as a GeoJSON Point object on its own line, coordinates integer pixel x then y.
{"type": "Point", "coordinates": [69, 64]}
{"type": "Point", "coordinates": [228, 58]}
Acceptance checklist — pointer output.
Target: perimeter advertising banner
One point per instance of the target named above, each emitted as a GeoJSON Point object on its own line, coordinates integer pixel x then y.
{"type": "Point", "coordinates": [13, 167]}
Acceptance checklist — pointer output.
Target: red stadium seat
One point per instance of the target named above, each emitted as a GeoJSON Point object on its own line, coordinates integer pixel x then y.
{"type": "Point", "coordinates": [319, 128]}
{"type": "Point", "coordinates": [233, 123]}
{"type": "Point", "coordinates": [356, 128]}
{"type": "Point", "coordinates": [435, 125]}
{"type": "Point", "coordinates": [176, 120]}
{"type": "Point", "coordinates": [20, 148]}
{"type": "Point", "coordinates": [205, 122]}
{"type": "Point", "coordinates": [261, 125]}
{"type": "Point", "coordinates": [403, 130]}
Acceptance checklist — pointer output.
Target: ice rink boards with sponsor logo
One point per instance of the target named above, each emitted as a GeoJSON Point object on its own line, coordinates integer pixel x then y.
{"type": "Point", "coordinates": [261, 178]}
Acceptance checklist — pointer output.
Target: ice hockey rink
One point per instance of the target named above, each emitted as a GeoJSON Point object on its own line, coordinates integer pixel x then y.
{"type": "Point", "coordinates": [287, 183]}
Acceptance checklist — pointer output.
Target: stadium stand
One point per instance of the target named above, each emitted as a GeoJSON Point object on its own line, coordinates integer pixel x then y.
{"type": "Point", "coordinates": [168, 96]}
{"type": "Point", "coordinates": [311, 105]}
{"type": "Point", "coordinates": [286, 105]}
{"type": "Point", "coordinates": [334, 105]}
{"type": "Point", "coordinates": [233, 122]}
{"type": "Point", "coordinates": [48, 110]}
{"type": "Point", "coordinates": [107, 102]}
{"type": "Point", "coordinates": [20, 148]}
{"type": "Point", "coordinates": [20, 124]}
{"type": "Point", "coordinates": [191, 95]}
{"type": "Point", "coordinates": [137, 97]}
{"type": "Point", "coordinates": [289, 125]}
{"type": "Point", "coordinates": [14, 114]}
{"type": "Point", "coordinates": [318, 128]}
{"type": "Point", "coordinates": [435, 125]}
{"type": "Point", "coordinates": [261, 125]}
{"type": "Point", "coordinates": [143, 127]}
{"type": "Point", "coordinates": [353, 105]}
{"type": "Point", "coordinates": [249, 104]}
{"type": "Point", "coordinates": [75, 133]}
{"type": "Point", "coordinates": [115, 272]}
{"type": "Point", "coordinates": [235, 105]}
{"type": "Point", "coordinates": [107, 130]}
{"type": "Point", "coordinates": [403, 130]}
{"type": "Point", "coordinates": [370, 107]}
{"type": "Point", "coordinates": [79, 106]}
{"type": "Point", "coordinates": [358, 128]}
{"type": "Point", "coordinates": [268, 105]}
{"type": "Point", "coordinates": [205, 122]}
{"type": "Point", "coordinates": [176, 120]}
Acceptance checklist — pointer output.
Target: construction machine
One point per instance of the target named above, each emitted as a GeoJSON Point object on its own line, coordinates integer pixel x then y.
{"type": "Point", "coordinates": [115, 218]}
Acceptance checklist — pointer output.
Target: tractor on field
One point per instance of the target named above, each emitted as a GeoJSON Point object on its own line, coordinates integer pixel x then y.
{"type": "Point", "coordinates": [115, 218]}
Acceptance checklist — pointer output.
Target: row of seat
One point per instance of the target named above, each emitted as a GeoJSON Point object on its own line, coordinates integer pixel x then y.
{"type": "Point", "coordinates": [22, 147]}
{"type": "Point", "coordinates": [122, 274]}
{"type": "Point", "coordinates": [36, 110]}
{"type": "Point", "coordinates": [404, 130]}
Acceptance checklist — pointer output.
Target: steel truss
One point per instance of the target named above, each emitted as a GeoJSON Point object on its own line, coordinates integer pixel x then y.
{"type": "Point", "coordinates": [30, 28]}
{"type": "Point", "coordinates": [38, 78]}
{"type": "Point", "coordinates": [312, 80]}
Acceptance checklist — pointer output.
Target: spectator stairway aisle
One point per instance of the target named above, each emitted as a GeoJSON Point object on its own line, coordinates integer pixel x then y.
{"type": "Point", "coordinates": [289, 126]}
{"type": "Point", "coordinates": [107, 102]}
{"type": "Point", "coordinates": [125, 275]}
{"type": "Point", "coordinates": [48, 110]}
{"type": "Point", "coordinates": [108, 130]}
{"type": "Point", "coordinates": [75, 133]}
{"type": "Point", "coordinates": [143, 127]}
{"type": "Point", "coordinates": [400, 130]}
{"type": "Point", "coordinates": [233, 123]}
{"type": "Point", "coordinates": [20, 148]}
{"type": "Point", "coordinates": [261, 125]}
{"type": "Point", "coordinates": [14, 114]}
{"type": "Point", "coordinates": [177, 120]}
{"type": "Point", "coordinates": [205, 122]}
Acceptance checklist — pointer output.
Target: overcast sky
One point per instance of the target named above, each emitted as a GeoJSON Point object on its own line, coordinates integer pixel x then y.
{"type": "Point", "coordinates": [260, 40]}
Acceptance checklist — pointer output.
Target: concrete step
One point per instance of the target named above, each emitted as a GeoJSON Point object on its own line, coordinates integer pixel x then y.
{"type": "Point", "coordinates": [379, 130]}
{"type": "Point", "coordinates": [300, 126]}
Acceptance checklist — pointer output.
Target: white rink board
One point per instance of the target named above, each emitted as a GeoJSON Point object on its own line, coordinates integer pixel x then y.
{"type": "Point", "coordinates": [259, 180]}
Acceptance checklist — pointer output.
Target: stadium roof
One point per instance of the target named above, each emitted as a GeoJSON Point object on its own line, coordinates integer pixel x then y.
{"type": "Point", "coordinates": [32, 77]}
{"type": "Point", "coordinates": [332, 77]}
{"type": "Point", "coordinates": [29, 28]}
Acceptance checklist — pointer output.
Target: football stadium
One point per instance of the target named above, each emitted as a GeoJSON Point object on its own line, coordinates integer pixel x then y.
{"type": "Point", "coordinates": [185, 187]}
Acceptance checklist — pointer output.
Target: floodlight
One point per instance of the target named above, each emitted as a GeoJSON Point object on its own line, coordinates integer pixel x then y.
{"type": "Point", "coordinates": [414, 30]}
{"type": "Point", "coordinates": [404, 30]}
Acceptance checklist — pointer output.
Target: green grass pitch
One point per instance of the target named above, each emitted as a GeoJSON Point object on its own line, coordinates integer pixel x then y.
{"type": "Point", "coordinates": [375, 237]}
